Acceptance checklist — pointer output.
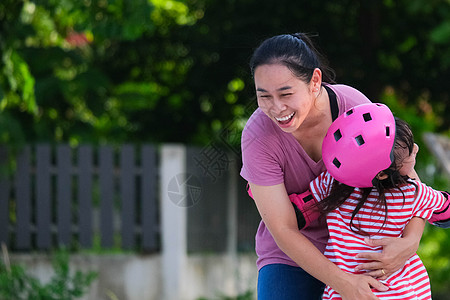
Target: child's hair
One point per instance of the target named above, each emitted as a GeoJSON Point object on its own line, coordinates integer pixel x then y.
{"type": "Point", "coordinates": [295, 51]}
{"type": "Point", "coordinates": [340, 192]}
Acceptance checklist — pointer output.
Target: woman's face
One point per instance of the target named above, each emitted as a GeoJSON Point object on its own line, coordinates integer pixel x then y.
{"type": "Point", "coordinates": [283, 97]}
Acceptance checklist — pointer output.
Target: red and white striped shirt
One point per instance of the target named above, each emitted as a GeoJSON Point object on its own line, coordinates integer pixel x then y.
{"type": "Point", "coordinates": [410, 282]}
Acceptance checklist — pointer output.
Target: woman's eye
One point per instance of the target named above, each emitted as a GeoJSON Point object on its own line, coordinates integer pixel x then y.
{"type": "Point", "coordinates": [286, 95]}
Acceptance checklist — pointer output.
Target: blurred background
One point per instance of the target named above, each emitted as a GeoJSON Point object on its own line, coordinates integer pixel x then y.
{"type": "Point", "coordinates": [114, 72]}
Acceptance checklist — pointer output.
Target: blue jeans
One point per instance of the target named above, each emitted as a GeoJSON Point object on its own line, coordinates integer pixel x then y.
{"type": "Point", "coordinates": [283, 282]}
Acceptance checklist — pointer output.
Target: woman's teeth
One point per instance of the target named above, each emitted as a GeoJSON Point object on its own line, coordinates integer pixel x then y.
{"type": "Point", "coordinates": [285, 118]}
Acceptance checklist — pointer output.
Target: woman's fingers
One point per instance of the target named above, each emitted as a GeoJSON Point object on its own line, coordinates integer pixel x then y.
{"type": "Point", "coordinates": [378, 285]}
{"type": "Point", "coordinates": [374, 265]}
{"type": "Point", "coordinates": [379, 274]}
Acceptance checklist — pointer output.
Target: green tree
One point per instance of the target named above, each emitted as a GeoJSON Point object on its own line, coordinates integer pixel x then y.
{"type": "Point", "coordinates": [90, 71]}
{"type": "Point", "coordinates": [176, 71]}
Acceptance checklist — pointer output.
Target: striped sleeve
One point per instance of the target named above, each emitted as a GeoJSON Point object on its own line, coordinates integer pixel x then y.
{"type": "Point", "coordinates": [427, 201]}
{"type": "Point", "coordinates": [321, 186]}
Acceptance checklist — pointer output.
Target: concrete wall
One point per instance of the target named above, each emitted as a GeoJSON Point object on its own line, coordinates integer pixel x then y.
{"type": "Point", "coordinates": [133, 277]}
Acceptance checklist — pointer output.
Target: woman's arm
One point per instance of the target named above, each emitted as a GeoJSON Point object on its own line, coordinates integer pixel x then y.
{"type": "Point", "coordinates": [396, 251]}
{"type": "Point", "coordinates": [279, 217]}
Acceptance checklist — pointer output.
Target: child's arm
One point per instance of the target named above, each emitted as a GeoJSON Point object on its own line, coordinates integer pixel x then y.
{"type": "Point", "coordinates": [441, 218]}
{"type": "Point", "coordinates": [305, 207]}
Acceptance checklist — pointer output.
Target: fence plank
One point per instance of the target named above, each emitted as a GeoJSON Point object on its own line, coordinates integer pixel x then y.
{"type": "Point", "coordinates": [4, 199]}
{"type": "Point", "coordinates": [85, 195]}
{"type": "Point", "coordinates": [23, 199]}
{"type": "Point", "coordinates": [149, 207]}
{"type": "Point", "coordinates": [43, 196]}
{"type": "Point", "coordinates": [127, 192]}
{"type": "Point", "coordinates": [63, 194]}
{"type": "Point", "coordinates": [106, 180]}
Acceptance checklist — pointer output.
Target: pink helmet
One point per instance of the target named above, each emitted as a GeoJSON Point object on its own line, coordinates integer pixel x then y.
{"type": "Point", "coordinates": [359, 144]}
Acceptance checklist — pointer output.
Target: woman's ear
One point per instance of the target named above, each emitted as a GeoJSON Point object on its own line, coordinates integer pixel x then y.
{"type": "Point", "coordinates": [316, 80]}
{"type": "Point", "coordinates": [381, 176]}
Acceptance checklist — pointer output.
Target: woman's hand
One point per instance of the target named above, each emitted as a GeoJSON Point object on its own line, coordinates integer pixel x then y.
{"type": "Point", "coordinates": [359, 287]}
{"type": "Point", "coordinates": [396, 251]}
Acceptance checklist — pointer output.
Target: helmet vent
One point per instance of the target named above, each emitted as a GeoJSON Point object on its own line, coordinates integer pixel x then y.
{"type": "Point", "coordinates": [359, 139]}
{"type": "Point", "coordinates": [367, 117]}
{"type": "Point", "coordinates": [349, 112]}
{"type": "Point", "coordinates": [337, 135]}
{"type": "Point", "coordinates": [388, 131]}
{"type": "Point", "coordinates": [336, 162]}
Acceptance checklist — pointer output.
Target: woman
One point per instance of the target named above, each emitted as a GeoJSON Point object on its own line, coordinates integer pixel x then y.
{"type": "Point", "coordinates": [281, 153]}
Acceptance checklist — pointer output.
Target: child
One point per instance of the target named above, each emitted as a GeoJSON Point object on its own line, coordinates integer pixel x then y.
{"type": "Point", "coordinates": [366, 192]}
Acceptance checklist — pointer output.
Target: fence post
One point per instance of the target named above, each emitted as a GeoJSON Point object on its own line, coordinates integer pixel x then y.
{"type": "Point", "coordinates": [232, 228]}
{"type": "Point", "coordinates": [173, 220]}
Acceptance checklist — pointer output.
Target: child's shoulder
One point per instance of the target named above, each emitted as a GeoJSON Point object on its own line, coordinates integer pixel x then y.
{"type": "Point", "coordinates": [420, 189]}
{"type": "Point", "coordinates": [409, 186]}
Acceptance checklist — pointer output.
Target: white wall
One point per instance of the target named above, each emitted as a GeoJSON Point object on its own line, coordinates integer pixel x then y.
{"type": "Point", "coordinates": [138, 277]}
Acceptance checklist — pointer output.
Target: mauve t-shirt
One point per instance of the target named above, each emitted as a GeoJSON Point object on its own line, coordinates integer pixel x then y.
{"type": "Point", "coordinates": [270, 157]}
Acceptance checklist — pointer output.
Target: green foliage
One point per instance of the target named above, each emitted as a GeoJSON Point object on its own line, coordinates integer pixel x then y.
{"type": "Point", "coordinates": [421, 121]}
{"type": "Point", "coordinates": [89, 71]}
{"type": "Point", "coordinates": [17, 284]}
{"type": "Point", "coordinates": [434, 253]}
{"type": "Point", "coordinates": [96, 71]}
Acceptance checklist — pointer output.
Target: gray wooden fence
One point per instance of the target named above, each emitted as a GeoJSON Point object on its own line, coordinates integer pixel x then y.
{"type": "Point", "coordinates": [76, 197]}
{"type": "Point", "coordinates": [104, 197]}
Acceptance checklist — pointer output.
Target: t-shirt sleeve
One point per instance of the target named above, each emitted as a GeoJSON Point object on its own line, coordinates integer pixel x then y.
{"type": "Point", "coordinates": [321, 186]}
{"type": "Point", "coordinates": [259, 162]}
{"type": "Point", "coordinates": [427, 201]}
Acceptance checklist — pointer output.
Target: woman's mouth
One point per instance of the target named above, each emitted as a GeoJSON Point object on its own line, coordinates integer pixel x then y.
{"type": "Point", "coordinates": [285, 120]}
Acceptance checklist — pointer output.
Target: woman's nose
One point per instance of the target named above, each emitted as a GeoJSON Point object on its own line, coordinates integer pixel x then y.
{"type": "Point", "coordinates": [278, 104]}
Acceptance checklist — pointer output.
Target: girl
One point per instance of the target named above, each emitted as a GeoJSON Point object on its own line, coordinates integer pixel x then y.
{"type": "Point", "coordinates": [281, 154]}
{"type": "Point", "coordinates": [366, 192]}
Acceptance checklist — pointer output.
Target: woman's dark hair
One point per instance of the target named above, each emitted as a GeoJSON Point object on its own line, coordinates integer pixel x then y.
{"type": "Point", "coordinates": [295, 51]}
{"type": "Point", "coordinates": [340, 192]}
